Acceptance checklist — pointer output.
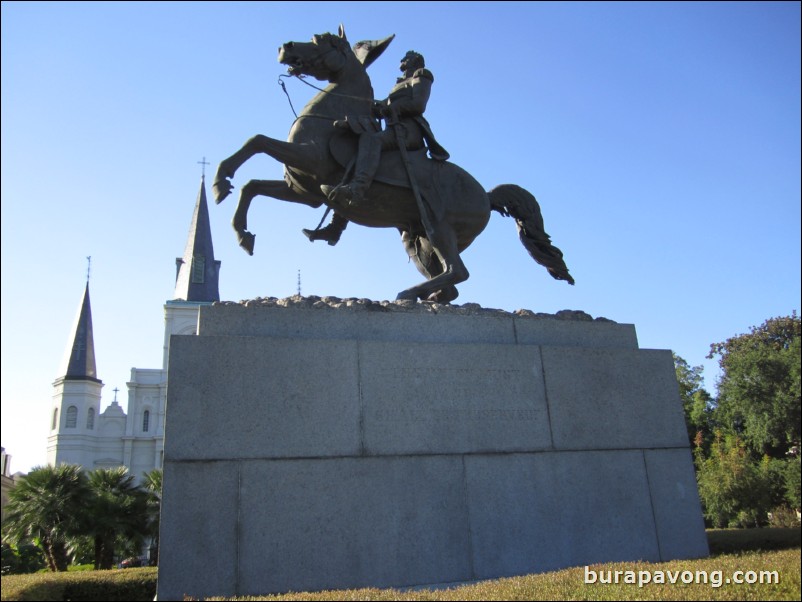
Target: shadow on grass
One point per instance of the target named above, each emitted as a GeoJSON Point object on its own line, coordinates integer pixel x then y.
{"type": "Point", "coordinates": [731, 541]}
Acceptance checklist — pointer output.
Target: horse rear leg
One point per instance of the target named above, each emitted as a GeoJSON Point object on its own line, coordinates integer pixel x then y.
{"type": "Point", "coordinates": [439, 260]}
{"type": "Point", "coordinates": [420, 251]}
{"type": "Point", "coordinates": [277, 189]}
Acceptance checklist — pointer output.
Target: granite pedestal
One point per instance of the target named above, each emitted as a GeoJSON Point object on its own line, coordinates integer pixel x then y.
{"type": "Point", "coordinates": [315, 447]}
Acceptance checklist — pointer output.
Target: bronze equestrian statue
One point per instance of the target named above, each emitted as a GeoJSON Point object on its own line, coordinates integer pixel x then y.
{"type": "Point", "coordinates": [438, 207]}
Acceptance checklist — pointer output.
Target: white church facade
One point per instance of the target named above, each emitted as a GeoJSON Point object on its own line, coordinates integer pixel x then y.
{"type": "Point", "coordinates": [79, 432]}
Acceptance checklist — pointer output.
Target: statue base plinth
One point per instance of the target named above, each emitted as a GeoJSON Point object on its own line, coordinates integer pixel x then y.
{"type": "Point", "coordinates": [315, 447]}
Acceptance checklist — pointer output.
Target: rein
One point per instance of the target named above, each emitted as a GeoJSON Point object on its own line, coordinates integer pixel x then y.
{"type": "Point", "coordinates": [302, 79]}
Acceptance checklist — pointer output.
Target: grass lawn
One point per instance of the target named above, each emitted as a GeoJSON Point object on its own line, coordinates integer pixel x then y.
{"type": "Point", "coordinates": [737, 555]}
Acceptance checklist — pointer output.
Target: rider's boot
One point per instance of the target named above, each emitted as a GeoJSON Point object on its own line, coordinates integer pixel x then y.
{"type": "Point", "coordinates": [331, 233]}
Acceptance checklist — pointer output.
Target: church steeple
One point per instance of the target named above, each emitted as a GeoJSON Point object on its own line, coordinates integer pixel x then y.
{"type": "Point", "coordinates": [79, 359]}
{"type": "Point", "coordinates": [76, 396]}
{"type": "Point", "coordinates": [197, 272]}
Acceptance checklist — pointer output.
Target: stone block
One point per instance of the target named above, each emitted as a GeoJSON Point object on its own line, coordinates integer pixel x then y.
{"type": "Point", "coordinates": [352, 522]}
{"type": "Point", "coordinates": [539, 512]}
{"type": "Point", "coordinates": [252, 397]}
{"type": "Point", "coordinates": [574, 333]}
{"type": "Point", "coordinates": [198, 530]}
{"type": "Point", "coordinates": [675, 499]}
{"type": "Point", "coordinates": [613, 398]}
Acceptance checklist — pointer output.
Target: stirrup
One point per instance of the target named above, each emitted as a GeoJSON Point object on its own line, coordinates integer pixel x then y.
{"type": "Point", "coordinates": [347, 193]}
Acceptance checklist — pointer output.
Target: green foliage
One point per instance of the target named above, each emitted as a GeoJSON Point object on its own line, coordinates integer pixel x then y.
{"type": "Point", "coordinates": [697, 404]}
{"type": "Point", "coordinates": [793, 482]}
{"type": "Point", "coordinates": [759, 390]}
{"type": "Point", "coordinates": [81, 567]}
{"type": "Point", "coordinates": [750, 469]}
{"type": "Point", "coordinates": [21, 559]}
{"type": "Point", "coordinates": [732, 541]}
{"type": "Point", "coordinates": [152, 482]}
{"type": "Point", "coordinates": [82, 550]}
{"type": "Point", "coordinates": [783, 516]}
{"type": "Point", "coordinates": [45, 508]}
{"type": "Point", "coordinates": [116, 515]}
{"type": "Point", "coordinates": [90, 516]}
{"type": "Point", "coordinates": [735, 490]}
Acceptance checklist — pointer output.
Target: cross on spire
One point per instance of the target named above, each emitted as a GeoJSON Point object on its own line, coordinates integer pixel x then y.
{"type": "Point", "coordinates": [88, 267]}
{"type": "Point", "coordinates": [115, 389]}
{"type": "Point", "coordinates": [204, 163]}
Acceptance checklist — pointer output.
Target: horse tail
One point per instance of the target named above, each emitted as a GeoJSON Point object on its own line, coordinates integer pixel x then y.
{"type": "Point", "coordinates": [513, 201]}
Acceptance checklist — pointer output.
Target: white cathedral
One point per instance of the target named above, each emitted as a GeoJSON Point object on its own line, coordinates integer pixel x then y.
{"type": "Point", "coordinates": [79, 432]}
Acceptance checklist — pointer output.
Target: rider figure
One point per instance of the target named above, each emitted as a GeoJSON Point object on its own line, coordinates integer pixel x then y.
{"type": "Point", "coordinates": [404, 107]}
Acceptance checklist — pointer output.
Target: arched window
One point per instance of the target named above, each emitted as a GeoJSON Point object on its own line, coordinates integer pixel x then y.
{"type": "Point", "coordinates": [72, 417]}
{"type": "Point", "coordinates": [90, 419]}
{"type": "Point", "coordinates": [145, 421]}
{"type": "Point", "coordinates": [54, 426]}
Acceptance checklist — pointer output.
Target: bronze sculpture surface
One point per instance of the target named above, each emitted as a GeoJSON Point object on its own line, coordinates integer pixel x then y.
{"type": "Point", "coordinates": [438, 207]}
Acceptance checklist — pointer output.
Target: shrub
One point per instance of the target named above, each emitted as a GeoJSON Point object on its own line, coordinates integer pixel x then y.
{"type": "Point", "coordinates": [783, 516]}
{"type": "Point", "coordinates": [113, 585]}
{"type": "Point", "coordinates": [22, 559]}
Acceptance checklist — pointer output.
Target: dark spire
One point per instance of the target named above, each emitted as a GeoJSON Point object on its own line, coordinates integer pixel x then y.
{"type": "Point", "coordinates": [80, 356]}
{"type": "Point", "coordinates": [197, 272]}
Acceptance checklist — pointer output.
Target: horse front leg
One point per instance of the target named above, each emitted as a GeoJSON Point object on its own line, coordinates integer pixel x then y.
{"type": "Point", "coordinates": [277, 189]}
{"type": "Point", "coordinates": [301, 156]}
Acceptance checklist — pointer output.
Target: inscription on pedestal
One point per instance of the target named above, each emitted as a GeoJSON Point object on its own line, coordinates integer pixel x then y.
{"type": "Point", "coordinates": [435, 398]}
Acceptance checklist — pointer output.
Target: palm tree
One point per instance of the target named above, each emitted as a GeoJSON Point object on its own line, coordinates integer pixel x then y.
{"type": "Point", "coordinates": [46, 507]}
{"type": "Point", "coordinates": [116, 513]}
{"type": "Point", "coordinates": [152, 482]}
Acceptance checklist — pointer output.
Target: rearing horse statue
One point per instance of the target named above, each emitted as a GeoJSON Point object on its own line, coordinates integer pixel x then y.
{"type": "Point", "coordinates": [439, 215]}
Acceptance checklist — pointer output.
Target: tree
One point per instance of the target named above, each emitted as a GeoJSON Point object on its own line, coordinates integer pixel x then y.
{"type": "Point", "coordinates": [46, 508]}
{"type": "Point", "coordinates": [696, 401]}
{"type": "Point", "coordinates": [736, 491]}
{"type": "Point", "coordinates": [759, 390]}
{"type": "Point", "coordinates": [152, 482]}
{"type": "Point", "coordinates": [116, 515]}
{"type": "Point", "coordinates": [793, 482]}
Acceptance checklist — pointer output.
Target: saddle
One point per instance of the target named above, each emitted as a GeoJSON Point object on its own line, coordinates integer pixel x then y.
{"type": "Point", "coordinates": [344, 147]}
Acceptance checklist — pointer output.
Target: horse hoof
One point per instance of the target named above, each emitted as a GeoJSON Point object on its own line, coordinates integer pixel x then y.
{"type": "Point", "coordinates": [446, 295]}
{"type": "Point", "coordinates": [221, 189]}
{"type": "Point", "coordinates": [246, 241]}
{"type": "Point", "coordinates": [407, 296]}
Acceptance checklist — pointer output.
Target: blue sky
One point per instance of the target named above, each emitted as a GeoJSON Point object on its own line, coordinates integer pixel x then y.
{"type": "Point", "coordinates": [662, 141]}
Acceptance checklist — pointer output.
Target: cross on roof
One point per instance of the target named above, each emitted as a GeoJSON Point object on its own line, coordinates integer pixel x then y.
{"type": "Point", "coordinates": [204, 163]}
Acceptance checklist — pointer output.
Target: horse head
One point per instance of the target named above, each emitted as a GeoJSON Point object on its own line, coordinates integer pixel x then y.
{"type": "Point", "coordinates": [327, 55]}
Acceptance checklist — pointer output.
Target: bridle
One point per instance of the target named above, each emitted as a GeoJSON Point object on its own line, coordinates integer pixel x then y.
{"type": "Point", "coordinates": [314, 64]}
